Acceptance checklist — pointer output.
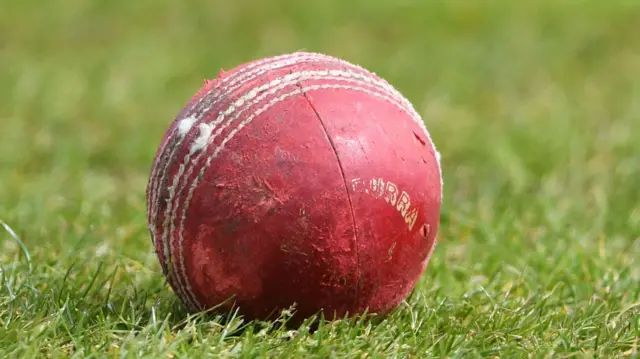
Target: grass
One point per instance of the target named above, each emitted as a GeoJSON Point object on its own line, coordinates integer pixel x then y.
{"type": "Point", "coordinates": [535, 108]}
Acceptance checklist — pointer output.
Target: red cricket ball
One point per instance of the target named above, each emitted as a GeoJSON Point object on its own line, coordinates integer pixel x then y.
{"type": "Point", "coordinates": [297, 179]}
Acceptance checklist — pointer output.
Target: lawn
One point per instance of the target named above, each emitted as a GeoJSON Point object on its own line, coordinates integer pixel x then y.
{"type": "Point", "coordinates": [535, 109]}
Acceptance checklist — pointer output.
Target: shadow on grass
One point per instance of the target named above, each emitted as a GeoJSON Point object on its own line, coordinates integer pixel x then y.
{"type": "Point", "coordinates": [168, 312]}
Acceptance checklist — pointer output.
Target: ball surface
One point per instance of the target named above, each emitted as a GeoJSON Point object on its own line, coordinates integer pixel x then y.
{"type": "Point", "coordinates": [299, 179]}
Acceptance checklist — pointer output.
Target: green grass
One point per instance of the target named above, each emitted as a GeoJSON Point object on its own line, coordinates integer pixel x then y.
{"type": "Point", "coordinates": [535, 108]}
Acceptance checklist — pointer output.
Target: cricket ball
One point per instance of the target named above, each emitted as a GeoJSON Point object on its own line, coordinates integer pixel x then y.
{"type": "Point", "coordinates": [297, 180]}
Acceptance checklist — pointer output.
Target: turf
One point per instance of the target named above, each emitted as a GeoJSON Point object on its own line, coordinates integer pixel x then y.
{"type": "Point", "coordinates": [535, 109]}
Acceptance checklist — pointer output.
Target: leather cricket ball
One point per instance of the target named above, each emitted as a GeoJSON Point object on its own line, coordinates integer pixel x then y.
{"type": "Point", "coordinates": [295, 180]}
